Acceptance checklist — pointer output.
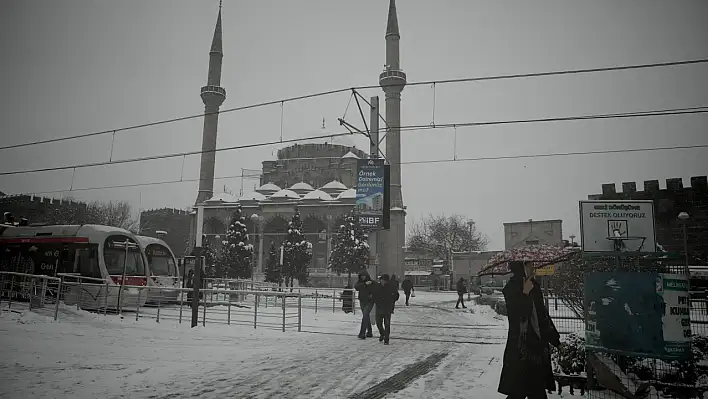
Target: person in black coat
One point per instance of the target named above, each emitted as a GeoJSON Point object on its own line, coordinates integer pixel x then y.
{"type": "Point", "coordinates": [461, 291]}
{"type": "Point", "coordinates": [527, 371]}
{"type": "Point", "coordinates": [365, 287]}
{"type": "Point", "coordinates": [385, 297]}
{"type": "Point", "coordinates": [394, 280]}
{"type": "Point", "coordinates": [407, 286]}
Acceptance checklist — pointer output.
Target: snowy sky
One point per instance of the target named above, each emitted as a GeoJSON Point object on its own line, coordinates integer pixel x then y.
{"type": "Point", "coordinates": [74, 67]}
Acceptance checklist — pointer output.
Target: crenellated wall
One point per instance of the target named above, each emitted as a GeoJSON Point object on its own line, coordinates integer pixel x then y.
{"type": "Point", "coordinates": [668, 203]}
{"type": "Point", "coordinates": [39, 209]}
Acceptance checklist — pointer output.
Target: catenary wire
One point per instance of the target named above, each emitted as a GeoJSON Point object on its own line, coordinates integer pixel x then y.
{"type": "Point", "coordinates": [331, 92]}
{"type": "Point", "coordinates": [639, 114]}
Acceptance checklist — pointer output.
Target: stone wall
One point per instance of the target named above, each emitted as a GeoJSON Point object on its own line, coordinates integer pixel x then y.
{"type": "Point", "coordinates": [668, 203]}
{"type": "Point", "coordinates": [39, 209]}
{"type": "Point", "coordinates": [175, 222]}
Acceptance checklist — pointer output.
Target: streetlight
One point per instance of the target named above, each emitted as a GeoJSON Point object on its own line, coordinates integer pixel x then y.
{"type": "Point", "coordinates": [683, 217]}
{"type": "Point", "coordinates": [470, 223]}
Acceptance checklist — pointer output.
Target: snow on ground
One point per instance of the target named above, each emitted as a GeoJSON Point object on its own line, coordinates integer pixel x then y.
{"type": "Point", "coordinates": [85, 355]}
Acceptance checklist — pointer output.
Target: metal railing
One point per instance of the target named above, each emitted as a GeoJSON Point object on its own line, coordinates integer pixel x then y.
{"type": "Point", "coordinates": [36, 291]}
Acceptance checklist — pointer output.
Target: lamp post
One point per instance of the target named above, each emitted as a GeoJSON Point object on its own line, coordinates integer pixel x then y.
{"type": "Point", "coordinates": [470, 224]}
{"type": "Point", "coordinates": [684, 217]}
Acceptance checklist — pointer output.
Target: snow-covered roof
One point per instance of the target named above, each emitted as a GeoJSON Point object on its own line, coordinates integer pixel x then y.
{"type": "Point", "coordinates": [347, 194]}
{"type": "Point", "coordinates": [317, 195]}
{"type": "Point", "coordinates": [301, 187]}
{"type": "Point", "coordinates": [350, 155]}
{"type": "Point", "coordinates": [223, 197]}
{"type": "Point", "coordinates": [268, 188]}
{"type": "Point", "coordinates": [285, 194]}
{"type": "Point", "coordinates": [254, 196]}
{"type": "Point", "coordinates": [334, 185]}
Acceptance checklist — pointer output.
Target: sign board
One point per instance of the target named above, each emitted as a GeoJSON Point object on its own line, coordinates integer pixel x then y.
{"type": "Point", "coordinates": [630, 222]}
{"type": "Point", "coordinates": [546, 270]}
{"type": "Point", "coordinates": [644, 314]}
{"type": "Point", "coordinates": [370, 184]}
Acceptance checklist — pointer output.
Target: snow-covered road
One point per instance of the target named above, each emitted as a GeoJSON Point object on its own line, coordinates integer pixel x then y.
{"type": "Point", "coordinates": [90, 356]}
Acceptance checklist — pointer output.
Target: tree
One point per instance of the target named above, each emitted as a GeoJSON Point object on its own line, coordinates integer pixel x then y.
{"type": "Point", "coordinates": [236, 258]}
{"type": "Point", "coordinates": [297, 253]}
{"type": "Point", "coordinates": [351, 249]}
{"type": "Point", "coordinates": [442, 235]}
{"type": "Point", "coordinates": [113, 213]}
{"type": "Point", "coordinates": [210, 259]}
{"type": "Point", "coordinates": [273, 271]}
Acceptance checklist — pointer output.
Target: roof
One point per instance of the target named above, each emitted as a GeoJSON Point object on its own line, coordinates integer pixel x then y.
{"type": "Point", "coordinates": [216, 46]}
{"type": "Point", "coordinates": [317, 195]}
{"type": "Point", "coordinates": [285, 194]}
{"type": "Point", "coordinates": [302, 186]}
{"type": "Point", "coordinates": [347, 194]}
{"type": "Point", "coordinates": [334, 185]}
{"type": "Point", "coordinates": [223, 197]}
{"type": "Point", "coordinates": [350, 155]}
{"type": "Point", "coordinates": [253, 196]}
{"type": "Point", "coordinates": [268, 188]}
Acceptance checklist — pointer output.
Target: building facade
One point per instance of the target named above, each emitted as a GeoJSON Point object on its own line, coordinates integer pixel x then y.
{"type": "Point", "coordinates": [533, 232]}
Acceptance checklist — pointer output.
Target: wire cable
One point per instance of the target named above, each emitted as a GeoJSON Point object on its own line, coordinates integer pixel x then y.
{"type": "Point", "coordinates": [675, 111]}
{"type": "Point", "coordinates": [331, 92]}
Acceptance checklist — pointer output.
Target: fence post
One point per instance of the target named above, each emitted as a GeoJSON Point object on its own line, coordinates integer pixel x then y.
{"type": "Point", "coordinates": [205, 306]}
{"type": "Point", "coordinates": [81, 291]}
{"type": "Point", "coordinates": [316, 296]}
{"type": "Point", "coordinates": [31, 291]}
{"type": "Point", "coordinates": [284, 310]}
{"type": "Point", "coordinates": [159, 305]}
{"type": "Point", "coordinates": [44, 292]}
{"type": "Point", "coordinates": [299, 313]}
{"type": "Point", "coordinates": [181, 305]}
{"type": "Point", "coordinates": [228, 317]}
{"type": "Point", "coordinates": [56, 302]}
{"type": "Point", "coordinates": [334, 300]}
{"type": "Point", "coordinates": [137, 306]}
{"type": "Point", "coordinates": [12, 287]}
{"type": "Point", "coordinates": [255, 310]}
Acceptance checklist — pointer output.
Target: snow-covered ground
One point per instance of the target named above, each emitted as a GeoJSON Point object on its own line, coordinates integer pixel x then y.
{"type": "Point", "coordinates": [85, 355]}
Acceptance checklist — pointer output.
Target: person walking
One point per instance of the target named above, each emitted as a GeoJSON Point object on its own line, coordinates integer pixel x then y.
{"type": "Point", "coordinates": [461, 291]}
{"type": "Point", "coordinates": [526, 371]}
{"type": "Point", "coordinates": [365, 288]}
{"type": "Point", "coordinates": [394, 280]}
{"type": "Point", "coordinates": [407, 286]}
{"type": "Point", "coordinates": [385, 296]}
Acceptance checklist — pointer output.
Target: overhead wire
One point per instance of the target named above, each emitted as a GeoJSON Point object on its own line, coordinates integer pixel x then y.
{"type": "Point", "coordinates": [469, 159]}
{"type": "Point", "coordinates": [366, 87]}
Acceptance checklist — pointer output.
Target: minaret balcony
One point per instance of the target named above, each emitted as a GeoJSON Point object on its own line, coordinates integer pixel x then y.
{"type": "Point", "coordinates": [392, 78]}
{"type": "Point", "coordinates": [213, 95]}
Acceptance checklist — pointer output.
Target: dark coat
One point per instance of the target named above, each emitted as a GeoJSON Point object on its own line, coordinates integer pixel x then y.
{"type": "Point", "coordinates": [517, 377]}
{"type": "Point", "coordinates": [407, 286]}
{"type": "Point", "coordinates": [385, 296]}
{"type": "Point", "coordinates": [461, 289]}
{"type": "Point", "coordinates": [365, 291]}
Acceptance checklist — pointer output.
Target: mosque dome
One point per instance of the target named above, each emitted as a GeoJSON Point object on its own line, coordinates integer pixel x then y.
{"type": "Point", "coordinates": [317, 195]}
{"type": "Point", "coordinates": [222, 198]}
{"type": "Point", "coordinates": [348, 194]}
{"type": "Point", "coordinates": [301, 188]}
{"type": "Point", "coordinates": [267, 189]}
{"type": "Point", "coordinates": [285, 194]}
{"type": "Point", "coordinates": [333, 187]}
{"type": "Point", "coordinates": [253, 196]}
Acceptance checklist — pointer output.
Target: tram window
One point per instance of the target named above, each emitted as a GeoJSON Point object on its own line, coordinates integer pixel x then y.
{"type": "Point", "coordinates": [88, 262]}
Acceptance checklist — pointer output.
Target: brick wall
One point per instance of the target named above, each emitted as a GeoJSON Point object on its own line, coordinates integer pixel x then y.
{"type": "Point", "coordinates": [668, 203]}
{"type": "Point", "coordinates": [38, 209]}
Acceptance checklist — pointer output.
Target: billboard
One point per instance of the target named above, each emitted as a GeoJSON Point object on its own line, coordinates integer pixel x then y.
{"type": "Point", "coordinates": [370, 186]}
{"type": "Point", "coordinates": [617, 226]}
{"type": "Point", "coordinates": [643, 314]}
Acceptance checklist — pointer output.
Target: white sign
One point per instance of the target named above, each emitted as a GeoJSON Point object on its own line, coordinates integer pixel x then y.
{"type": "Point", "coordinates": [617, 226]}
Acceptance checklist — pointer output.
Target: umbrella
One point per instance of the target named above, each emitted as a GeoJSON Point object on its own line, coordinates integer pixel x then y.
{"type": "Point", "coordinates": [540, 255]}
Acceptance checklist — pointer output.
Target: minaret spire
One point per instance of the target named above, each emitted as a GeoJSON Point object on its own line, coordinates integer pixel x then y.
{"type": "Point", "coordinates": [392, 81]}
{"type": "Point", "coordinates": [213, 95]}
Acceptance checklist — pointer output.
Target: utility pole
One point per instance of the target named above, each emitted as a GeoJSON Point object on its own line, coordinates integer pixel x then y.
{"type": "Point", "coordinates": [374, 154]}
{"type": "Point", "coordinates": [197, 283]}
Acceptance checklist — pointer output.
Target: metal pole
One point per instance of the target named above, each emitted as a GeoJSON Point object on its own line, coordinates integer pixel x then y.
{"type": "Point", "coordinates": [197, 279]}
{"type": "Point", "coordinates": [685, 245]}
{"type": "Point", "coordinates": [284, 311]}
{"type": "Point", "coordinates": [137, 308]}
{"type": "Point", "coordinates": [122, 279]}
{"type": "Point", "coordinates": [299, 312]}
{"type": "Point", "coordinates": [374, 154]}
{"type": "Point", "coordinates": [255, 311]}
{"type": "Point", "coordinates": [56, 302]}
{"type": "Point", "coordinates": [316, 296]}
{"type": "Point", "coordinates": [260, 245]}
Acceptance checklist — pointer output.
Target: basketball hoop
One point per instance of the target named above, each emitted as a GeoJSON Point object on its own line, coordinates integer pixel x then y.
{"type": "Point", "coordinates": [619, 243]}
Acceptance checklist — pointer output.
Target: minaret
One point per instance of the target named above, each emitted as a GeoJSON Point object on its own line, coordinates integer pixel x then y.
{"type": "Point", "coordinates": [213, 95]}
{"type": "Point", "coordinates": [392, 81]}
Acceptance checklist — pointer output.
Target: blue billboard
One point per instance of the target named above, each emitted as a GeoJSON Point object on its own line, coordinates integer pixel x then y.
{"type": "Point", "coordinates": [370, 185]}
{"type": "Point", "coordinates": [643, 314]}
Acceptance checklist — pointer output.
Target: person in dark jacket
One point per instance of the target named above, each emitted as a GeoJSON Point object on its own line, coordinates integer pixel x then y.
{"type": "Point", "coordinates": [407, 286]}
{"type": "Point", "coordinates": [394, 280]}
{"type": "Point", "coordinates": [527, 371]}
{"type": "Point", "coordinates": [385, 296]}
{"type": "Point", "coordinates": [347, 299]}
{"type": "Point", "coordinates": [365, 288]}
{"type": "Point", "coordinates": [461, 291]}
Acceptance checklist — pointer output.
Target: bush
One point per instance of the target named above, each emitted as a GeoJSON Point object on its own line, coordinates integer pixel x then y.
{"type": "Point", "coordinates": [569, 359]}
{"type": "Point", "coordinates": [495, 302]}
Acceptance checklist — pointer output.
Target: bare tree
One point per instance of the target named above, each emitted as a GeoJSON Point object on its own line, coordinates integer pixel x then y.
{"type": "Point", "coordinates": [116, 214]}
{"type": "Point", "coordinates": [441, 235]}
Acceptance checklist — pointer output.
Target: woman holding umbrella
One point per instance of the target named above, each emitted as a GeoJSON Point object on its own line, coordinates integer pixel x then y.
{"type": "Point", "coordinates": [527, 371]}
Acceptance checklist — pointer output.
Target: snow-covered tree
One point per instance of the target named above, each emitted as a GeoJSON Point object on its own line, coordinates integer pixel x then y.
{"type": "Point", "coordinates": [297, 253]}
{"type": "Point", "coordinates": [210, 258]}
{"type": "Point", "coordinates": [236, 258]}
{"type": "Point", "coordinates": [273, 271]}
{"type": "Point", "coordinates": [351, 249]}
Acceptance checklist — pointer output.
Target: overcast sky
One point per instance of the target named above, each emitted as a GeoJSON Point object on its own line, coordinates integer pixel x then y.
{"type": "Point", "coordinates": [70, 67]}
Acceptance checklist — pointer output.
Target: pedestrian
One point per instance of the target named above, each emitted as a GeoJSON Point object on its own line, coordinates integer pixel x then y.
{"type": "Point", "coordinates": [407, 286]}
{"type": "Point", "coordinates": [365, 289]}
{"type": "Point", "coordinates": [527, 371]}
{"type": "Point", "coordinates": [394, 279]}
{"type": "Point", "coordinates": [461, 291]}
{"type": "Point", "coordinates": [385, 296]}
{"type": "Point", "coordinates": [347, 299]}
